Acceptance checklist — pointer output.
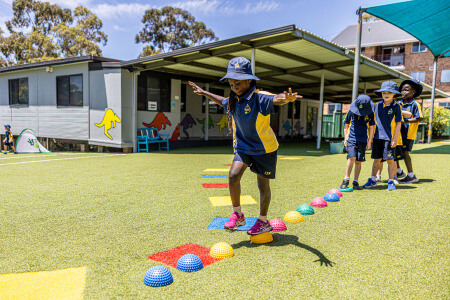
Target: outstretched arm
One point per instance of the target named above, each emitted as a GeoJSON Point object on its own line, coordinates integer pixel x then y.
{"type": "Point", "coordinates": [199, 91]}
{"type": "Point", "coordinates": [285, 97]}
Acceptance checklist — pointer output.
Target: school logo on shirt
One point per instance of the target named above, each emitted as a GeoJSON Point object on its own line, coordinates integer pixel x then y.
{"type": "Point", "coordinates": [366, 118]}
{"type": "Point", "coordinates": [390, 111]}
{"type": "Point", "coordinates": [408, 109]}
{"type": "Point", "coordinates": [266, 173]}
{"type": "Point", "coordinates": [247, 109]}
{"type": "Point", "coordinates": [236, 65]}
{"type": "Point", "coordinates": [360, 106]}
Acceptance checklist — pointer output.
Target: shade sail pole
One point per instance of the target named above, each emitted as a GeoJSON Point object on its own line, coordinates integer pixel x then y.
{"type": "Point", "coordinates": [319, 125]}
{"type": "Point", "coordinates": [433, 93]}
{"type": "Point", "coordinates": [357, 55]}
{"type": "Point", "coordinates": [207, 114]}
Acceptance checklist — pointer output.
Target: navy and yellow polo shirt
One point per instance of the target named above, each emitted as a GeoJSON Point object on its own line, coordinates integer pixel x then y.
{"type": "Point", "coordinates": [9, 136]}
{"type": "Point", "coordinates": [252, 133]}
{"type": "Point", "coordinates": [386, 116]}
{"type": "Point", "coordinates": [359, 126]}
{"type": "Point", "coordinates": [409, 130]}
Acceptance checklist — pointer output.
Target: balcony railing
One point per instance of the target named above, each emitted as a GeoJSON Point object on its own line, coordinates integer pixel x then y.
{"type": "Point", "coordinates": [390, 59]}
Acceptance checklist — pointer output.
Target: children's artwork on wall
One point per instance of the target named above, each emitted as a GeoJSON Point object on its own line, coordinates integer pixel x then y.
{"type": "Point", "coordinates": [298, 127]}
{"type": "Point", "coordinates": [202, 121]}
{"type": "Point", "coordinates": [175, 134]}
{"type": "Point", "coordinates": [109, 120]}
{"type": "Point", "coordinates": [222, 124]}
{"type": "Point", "coordinates": [160, 121]}
{"type": "Point", "coordinates": [188, 122]}
{"type": "Point", "coordinates": [287, 126]}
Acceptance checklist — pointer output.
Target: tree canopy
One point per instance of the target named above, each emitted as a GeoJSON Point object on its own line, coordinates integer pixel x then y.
{"type": "Point", "coordinates": [170, 29]}
{"type": "Point", "coordinates": [42, 31]}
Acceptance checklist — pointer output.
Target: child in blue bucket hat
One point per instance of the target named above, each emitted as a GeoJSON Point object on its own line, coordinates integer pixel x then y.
{"type": "Point", "coordinates": [255, 143]}
{"type": "Point", "coordinates": [358, 121]}
{"type": "Point", "coordinates": [388, 117]}
{"type": "Point", "coordinates": [8, 140]}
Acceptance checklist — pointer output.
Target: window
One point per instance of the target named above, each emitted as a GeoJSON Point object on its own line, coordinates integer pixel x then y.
{"type": "Point", "coordinates": [444, 104]}
{"type": "Point", "coordinates": [18, 91]}
{"type": "Point", "coordinates": [213, 107]}
{"type": "Point", "coordinates": [445, 76]}
{"type": "Point", "coordinates": [297, 110]}
{"type": "Point", "coordinates": [153, 92]}
{"type": "Point", "coordinates": [418, 47]}
{"type": "Point", "coordinates": [363, 49]}
{"type": "Point", "coordinates": [183, 97]}
{"type": "Point", "coordinates": [418, 75]}
{"type": "Point", "coordinates": [290, 110]}
{"type": "Point", "coordinates": [333, 107]}
{"type": "Point", "coordinates": [69, 90]}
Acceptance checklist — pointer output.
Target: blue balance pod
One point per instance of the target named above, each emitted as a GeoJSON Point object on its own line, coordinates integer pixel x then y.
{"type": "Point", "coordinates": [331, 197]}
{"type": "Point", "coordinates": [305, 209]}
{"type": "Point", "coordinates": [158, 276]}
{"type": "Point", "coordinates": [189, 263]}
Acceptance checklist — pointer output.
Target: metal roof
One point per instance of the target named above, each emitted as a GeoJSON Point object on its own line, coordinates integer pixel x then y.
{"type": "Point", "coordinates": [284, 57]}
{"type": "Point", "coordinates": [375, 33]}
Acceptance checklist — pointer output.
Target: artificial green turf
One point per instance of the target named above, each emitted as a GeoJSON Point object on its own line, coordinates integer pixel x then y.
{"type": "Point", "coordinates": [110, 213]}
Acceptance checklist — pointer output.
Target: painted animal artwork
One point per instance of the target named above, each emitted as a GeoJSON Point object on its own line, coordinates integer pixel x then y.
{"type": "Point", "coordinates": [109, 121]}
{"type": "Point", "coordinates": [160, 121]}
{"type": "Point", "coordinates": [187, 122]}
{"type": "Point", "coordinates": [175, 134]}
{"type": "Point", "coordinates": [298, 127]}
{"type": "Point", "coordinates": [222, 123]}
{"type": "Point", "coordinates": [202, 121]}
{"type": "Point", "coordinates": [287, 126]}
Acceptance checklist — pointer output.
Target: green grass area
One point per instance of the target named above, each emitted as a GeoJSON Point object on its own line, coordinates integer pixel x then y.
{"type": "Point", "coordinates": [109, 213]}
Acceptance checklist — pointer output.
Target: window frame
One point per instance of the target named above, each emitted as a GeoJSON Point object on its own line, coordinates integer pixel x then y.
{"type": "Point", "coordinates": [18, 92]}
{"type": "Point", "coordinates": [220, 109]}
{"type": "Point", "coordinates": [424, 74]}
{"type": "Point", "coordinates": [82, 90]}
{"type": "Point", "coordinates": [164, 98]}
{"type": "Point", "coordinates": [448, 76]}
{"type": "Point", "coordinates": [418, 47]}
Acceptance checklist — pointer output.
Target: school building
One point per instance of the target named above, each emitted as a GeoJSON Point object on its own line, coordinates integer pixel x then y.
{"type": "Point", "coordinates": [99, 101]}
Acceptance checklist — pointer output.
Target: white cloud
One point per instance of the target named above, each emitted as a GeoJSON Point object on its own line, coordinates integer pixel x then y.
{"type": "Point", "coordinates": [108, 11]}
{"type": "Point", "coordinates": [226, 7]}
{"type": "Point", "coordinates": [118, 28]}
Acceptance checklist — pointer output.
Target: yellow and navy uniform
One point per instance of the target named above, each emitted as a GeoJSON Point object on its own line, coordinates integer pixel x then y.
{"type": "Point", "coordinates": [387, 117]}
{"type": "Point", "coordinates": [252, 133]}
{"type": "Point", "coordinates": [357, 134]}
{"type": "Point", "coordinates": [409, 130]}
{"type": "Point", "coordinates": [9, 137]}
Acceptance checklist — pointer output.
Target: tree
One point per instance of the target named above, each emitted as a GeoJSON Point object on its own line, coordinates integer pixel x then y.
{"type": "Point", "coordinates": [42, 31]}
{"type": "Point", "coordinates": [441, 119]}
{"type": "Point", "coordinates": [170, 29]}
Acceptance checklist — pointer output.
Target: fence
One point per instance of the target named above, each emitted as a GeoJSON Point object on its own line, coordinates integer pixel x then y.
{"type": "Point", "coordinates": [333, 125]}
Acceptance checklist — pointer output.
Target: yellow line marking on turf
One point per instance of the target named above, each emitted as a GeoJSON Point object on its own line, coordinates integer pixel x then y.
{"type": "Point", "coordinates": [226, 200]}
{"type": "Point", "coordinates": [292, 158]}
{"type": "Point", "coordinates": [59, 284]}
{"type": "Point", "coordinates": [216, 170]}
{"type": "Point", "coordinates": [315, 151]}
{"type": "Point", "coordinates": [70, 158]}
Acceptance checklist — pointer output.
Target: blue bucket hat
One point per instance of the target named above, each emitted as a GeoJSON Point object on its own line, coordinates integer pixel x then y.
{"type": "Point", "coordinates": [7, 126]}
{"type": "Point", "coordinates": [388, 86]}
{"type": "Point", "coordinates": [239, 68]}
{"type": "Point", "coordinates": [415, 84]}
{"type": "Point", "coordinates": [362, 106]}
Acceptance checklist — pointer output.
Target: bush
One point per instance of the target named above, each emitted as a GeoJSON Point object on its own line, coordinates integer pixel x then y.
{"type": "Point", "coordinates": [441, 119]}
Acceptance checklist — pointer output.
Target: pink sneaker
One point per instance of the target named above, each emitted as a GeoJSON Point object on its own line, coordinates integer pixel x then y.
{"type": "Point", "coordinates": [260, 227]}
{"type": "Point", "coordinates": [235, 221]}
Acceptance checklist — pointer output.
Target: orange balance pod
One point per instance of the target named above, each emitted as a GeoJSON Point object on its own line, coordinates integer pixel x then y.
{"type": "Point", "coordinates": [318, 202]}
{"type": "Point", "coordinates": [221, 250]}
{"type": "Point", "coordinates": [293, 217]}
{"type": "Point", "coordinates": [336, 191]}
{"type": "Point", "coordinates": [262, 238]}
{"type": "Point", "coordinates": [278, 225]}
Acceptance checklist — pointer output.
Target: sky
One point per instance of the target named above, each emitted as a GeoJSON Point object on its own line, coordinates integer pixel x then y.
{"type": "Point", "coordinates": [227, 18]}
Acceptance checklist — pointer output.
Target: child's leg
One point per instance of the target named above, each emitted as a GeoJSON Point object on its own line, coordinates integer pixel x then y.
{"type": "Point", "coordinates": [234, 179]}
{"type": "Point", "coordinates": [408, 161]}
{"type": "Point", "coordinates": [264, 195]}
{"type": "Point", "coordinates": [392, 168]}
{"type": "Point", "coordinates": [357, 170]}
{"type": "Point", "coordinates": [376, 167]}
{"type": "Point", "coordinates": [350, 162]}
{"type": "Point", "coordinates": [380, 168]}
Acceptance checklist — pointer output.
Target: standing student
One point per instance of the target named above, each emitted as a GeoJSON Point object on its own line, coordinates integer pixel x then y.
{"type": "Point", "coordinates": [388, 117]}
{"type": "Point", "coordinates": [255, 144]}
{"type": "Point", "coordinates": [8, 140]}
{"type": "Point", "coordinates": [410, 89]}
{"type": "Point", "coordinates": [358, 121]}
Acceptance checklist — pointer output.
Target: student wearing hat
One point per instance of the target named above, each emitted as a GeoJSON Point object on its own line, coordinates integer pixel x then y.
{"type": "Point", "coordinates": [358, 121]}
{"type": "Point", "coordinates": [255, 144]}
{"type": "Point", "coordinates": [8, 140]}
{"type": "Point", "coordinates": [410, 89]}
{"type": "Point", "coordinates": [388, 117]}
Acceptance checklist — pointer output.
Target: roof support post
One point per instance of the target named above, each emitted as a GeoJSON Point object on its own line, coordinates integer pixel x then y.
{"type": "Point", "coordinates": [433, 94]}
{"type": "Point", "coordinates": [319, 123]}
{"type": "Point", "coordinates": [207, 114]}
{"type": "Point", "coordinates": [357, 56]}
{"type": "Point", "coordinates": [253, 60]}
{"type": "Point", "coordinates": [134, 109]}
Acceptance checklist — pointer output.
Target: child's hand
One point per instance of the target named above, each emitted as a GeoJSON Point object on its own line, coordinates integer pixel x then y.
{"type": "Point", "coordinates": [197, 89]}
{"type": "Point", "coordinates": [393, 144]}
{"type": "Point", "coordinates": [368, 146]}
{"type": "Point", "coordinates": [345, 143]}
{"type": "Point", "coordinates": [291, 97]}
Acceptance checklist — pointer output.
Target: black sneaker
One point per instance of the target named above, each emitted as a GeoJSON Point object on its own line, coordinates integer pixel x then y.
{"type": "Point", "coordinates": [401, 175]}
{"type": "Point", "coordinates": [345, 183]}
{"type": "Point", "coordinates": [408, 179]}
{"type": "Point", "coordinates": [356, 185]}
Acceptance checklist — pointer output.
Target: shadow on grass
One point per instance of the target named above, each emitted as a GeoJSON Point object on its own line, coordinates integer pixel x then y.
{"type": "Point", "coordinates": [287, 239]}
{"type": "Point", "coordinates": [398, 186]}
{"type": "Point", "coordinates": [443, 149]}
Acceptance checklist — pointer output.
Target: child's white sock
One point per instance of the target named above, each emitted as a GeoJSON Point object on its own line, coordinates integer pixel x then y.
{"type": "Point", "coordinates": [263, 218]}
{"type": "Point", "coordinates": [355, 180]}
{"type": "Point", "coordinates": [411, 174]}
{"type": "Point", "coordinates": [399, 170]}
{"type": "Point", "coordinates": [373, 178]}
{"type": "Point", "coordinates": [237, 209]}
{"type": "Point", "coordinates": [346, 178]}
{"type": "Point", "coordinates": [378, 177]}
{"type": "Point", "coordinates": [390, 180]}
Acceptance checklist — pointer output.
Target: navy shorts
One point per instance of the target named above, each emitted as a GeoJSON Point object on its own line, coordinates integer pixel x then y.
{"type": "Point", "coordinates": [264, 165]}
{"type": "Point", "coordinates": [8, 144]}
{"type": "Point", "coordinates": [356, 149]}
{"type": "Point", "coordinates": [408, 145]}
{"type": "Point", "coordinates": [381, 149]}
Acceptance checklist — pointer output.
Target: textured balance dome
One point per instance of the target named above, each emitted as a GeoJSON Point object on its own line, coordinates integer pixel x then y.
{"type": "Point", "coordinates": [262, 238]}
{"type": "Point", "coordinates": [189, 263]}
{"type": "Point", "coordinates": [319, 202]}
{"type": "Point", "coordinates": [278, 225]}
{"type": "Point", "coordinates": [305, 209]}
{"type": "Point", "coordinates": [221, 250]}
{"type": "Point", "coordinates": [293, 217]}
{"type": "Point", "coordinates": [158, 276]}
